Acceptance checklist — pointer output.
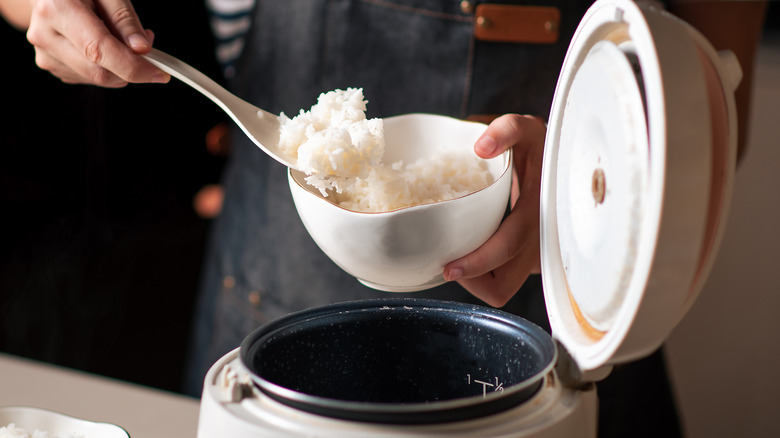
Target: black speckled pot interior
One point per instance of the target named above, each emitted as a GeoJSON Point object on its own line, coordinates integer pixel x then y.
{"type": "Point", "coordinates": [400, 360]}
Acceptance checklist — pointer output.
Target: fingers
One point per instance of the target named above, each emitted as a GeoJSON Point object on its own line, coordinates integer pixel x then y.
{"type": "Point", "coordinates": [123, 22]}
{"type": "Point", "coordinates": [96, 44]}
{"type": "Point", "coordinates": [56, 54]}
{"type": "Point", "coordinates": [498, 286]}
{"type": "Point", "coordinates": [507, 131]}
{"type": "Point", "coordinates": [67, 74]}
{"type": "Point", "coordinates": [497, 269]}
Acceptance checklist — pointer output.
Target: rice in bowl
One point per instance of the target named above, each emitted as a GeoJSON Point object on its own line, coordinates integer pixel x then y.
{"type": "Point", "coordinates": [342, 153]}
{"type": "Point", "coordinates": [11, 431]}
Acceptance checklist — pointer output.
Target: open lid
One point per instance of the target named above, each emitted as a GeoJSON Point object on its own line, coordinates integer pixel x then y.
{"type": "Point", "coordinates": [636, 179]}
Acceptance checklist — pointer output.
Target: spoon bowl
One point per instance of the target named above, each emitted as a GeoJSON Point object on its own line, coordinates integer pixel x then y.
{"type": "Point", "coordinates": [260, 126]}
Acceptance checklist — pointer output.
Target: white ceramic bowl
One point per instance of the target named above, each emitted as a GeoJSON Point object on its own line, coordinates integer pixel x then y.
{"type": "Point", "coordinates": [405, 250]}
{"type": "Point", "coordinates": [57, 425]}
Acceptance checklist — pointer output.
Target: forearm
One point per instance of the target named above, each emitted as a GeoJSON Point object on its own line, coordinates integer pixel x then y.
{"type": "Point", "coordinates": [17, 12]}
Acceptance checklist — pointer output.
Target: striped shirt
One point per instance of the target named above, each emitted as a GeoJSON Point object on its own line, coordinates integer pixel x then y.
{"type": "Point", "coordinates": [230, 21]}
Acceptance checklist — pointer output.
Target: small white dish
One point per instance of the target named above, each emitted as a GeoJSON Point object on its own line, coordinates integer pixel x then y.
{"type": "Point", "coordinates": [405, 250]}
{"type": "Point", "coordinates": [56, 424]}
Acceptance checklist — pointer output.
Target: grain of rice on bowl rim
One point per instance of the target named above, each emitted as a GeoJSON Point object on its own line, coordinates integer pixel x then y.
{"type": "Point", "coordinates": [11, 431]}
{"type": "Point", "coordinates": [341, 151]}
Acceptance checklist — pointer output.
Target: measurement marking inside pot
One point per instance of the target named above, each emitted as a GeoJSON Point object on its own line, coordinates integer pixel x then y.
{"type": "Point", "coordinates": [499, 387]}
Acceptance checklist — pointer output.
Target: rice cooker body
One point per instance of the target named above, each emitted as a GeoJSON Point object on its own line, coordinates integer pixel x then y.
{"type": "Point", "coordinates": [635, 185]}
{"type": "Point", "coordinates": [231, 406]}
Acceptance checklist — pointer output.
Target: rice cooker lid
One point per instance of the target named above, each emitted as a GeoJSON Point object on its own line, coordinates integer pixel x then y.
{"type": "Point", "coordinates": [636, 179]}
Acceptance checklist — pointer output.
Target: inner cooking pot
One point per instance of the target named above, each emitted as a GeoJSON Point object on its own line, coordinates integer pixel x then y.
{"type": "Point", "coordinates": [402, 360]}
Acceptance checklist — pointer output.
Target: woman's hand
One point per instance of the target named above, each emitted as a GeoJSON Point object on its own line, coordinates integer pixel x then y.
{"type": "Point", "coordinates": [497, 269]}
{"type": "Point", "coordinates": [92, 42]}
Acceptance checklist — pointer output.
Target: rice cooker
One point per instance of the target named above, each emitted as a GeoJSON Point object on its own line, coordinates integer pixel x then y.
{"type": "Point", "coordinates": [636, 181]}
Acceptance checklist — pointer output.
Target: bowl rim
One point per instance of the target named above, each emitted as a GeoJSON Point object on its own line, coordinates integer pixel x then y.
{"type": "Point", "coordinates": [507, 155]}
{"type": "Point", "coordinates": [45, 412]}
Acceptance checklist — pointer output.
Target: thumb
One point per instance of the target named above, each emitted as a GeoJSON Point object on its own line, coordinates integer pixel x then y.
{"type": "Point", "coordinates": [120, 17]}
{"type": "Point", "coordinates": [510, 130]}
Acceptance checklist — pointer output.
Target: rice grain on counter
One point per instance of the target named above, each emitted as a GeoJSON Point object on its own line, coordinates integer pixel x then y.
{"type": "Point", "coordinates": [341, 152]}
{"type": "Point", "coordinates": [11, 431]}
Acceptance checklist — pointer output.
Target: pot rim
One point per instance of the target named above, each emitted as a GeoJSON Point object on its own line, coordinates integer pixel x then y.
{"type": "Point", "coordinates": [383, 411]}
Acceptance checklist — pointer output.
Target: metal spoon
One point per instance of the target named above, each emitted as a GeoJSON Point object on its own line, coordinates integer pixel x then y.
{"type": "Point", "coordinates": [260, 126]}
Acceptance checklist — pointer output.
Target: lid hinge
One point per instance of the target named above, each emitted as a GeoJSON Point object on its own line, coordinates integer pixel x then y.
{"type": "Point", "coordinates": [571, 375]}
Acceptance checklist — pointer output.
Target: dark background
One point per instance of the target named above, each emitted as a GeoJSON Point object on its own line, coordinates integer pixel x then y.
{"type": "Point", "coordinates": [773, 15]}
{"type": "Point", "coordinates": [100, 247]}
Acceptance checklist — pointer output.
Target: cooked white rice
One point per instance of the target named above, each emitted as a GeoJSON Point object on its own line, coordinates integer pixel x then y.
{"type": "Point", "coordinates": [341, 152]}
{"type": "Point", "coordinates": [334, 141]}
{"type": "Point", "coordinates": [11, 431]}
{"type": "Point", "coordinates": [443, 176]}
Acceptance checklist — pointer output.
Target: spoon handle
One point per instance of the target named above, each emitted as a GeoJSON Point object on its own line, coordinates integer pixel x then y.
{"type": "Point", "coordinates": [194, 78]}
{"type": "Point", "coordinates": [260, 126]}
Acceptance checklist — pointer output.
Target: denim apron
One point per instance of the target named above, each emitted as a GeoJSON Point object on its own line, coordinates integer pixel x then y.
{"type": "Point", "coordinates": [408, 56]}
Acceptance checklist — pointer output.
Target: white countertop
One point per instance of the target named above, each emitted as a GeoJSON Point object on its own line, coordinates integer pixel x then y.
{"type": "Point", "coordinates": [143, 412]}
